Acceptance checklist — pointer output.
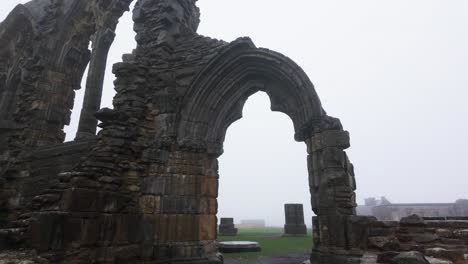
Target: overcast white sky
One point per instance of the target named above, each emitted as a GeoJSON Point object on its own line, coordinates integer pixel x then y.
{"type": "Point", "coordinates": [394, 71]}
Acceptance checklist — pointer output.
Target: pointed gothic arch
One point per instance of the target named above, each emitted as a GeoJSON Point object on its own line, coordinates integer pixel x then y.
{"type": "Point", "coordinates": [216, 97]}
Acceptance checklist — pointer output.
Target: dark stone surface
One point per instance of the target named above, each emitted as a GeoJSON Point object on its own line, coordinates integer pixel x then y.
{"type": "Point", "coordinates": [412, 220]}
{"type": "Point", "coordinates": [411, 257]}
{"type": "Point", "coordinates": [454, 255]}
{"type": "Point", "coordinates": [144, 189]}
{"type": "Point", "coordinates": [386, 257]}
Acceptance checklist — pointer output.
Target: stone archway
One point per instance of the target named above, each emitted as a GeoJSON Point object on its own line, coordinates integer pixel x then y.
{"type": "Point", "coordinates": [215, 100]}
{"type": "Point", "coordinates": [218, 93]}
{"type": "Point", "coordinates": [145, 189]}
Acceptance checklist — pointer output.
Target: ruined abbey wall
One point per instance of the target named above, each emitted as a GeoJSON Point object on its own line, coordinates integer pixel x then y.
{"type": "Point", "coordinates": [144, 189]}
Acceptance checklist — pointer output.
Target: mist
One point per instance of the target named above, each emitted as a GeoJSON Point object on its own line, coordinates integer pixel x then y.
{"type": "Point", "coordinates": [395, 73]}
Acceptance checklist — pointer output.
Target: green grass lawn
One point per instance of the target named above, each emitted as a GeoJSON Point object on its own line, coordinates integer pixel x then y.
{"type": "Point", "coordinates": [271, 241]}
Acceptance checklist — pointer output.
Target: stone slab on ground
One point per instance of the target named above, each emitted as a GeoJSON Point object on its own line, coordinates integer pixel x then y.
{"type": "Point", "coordinates": [239, 246]}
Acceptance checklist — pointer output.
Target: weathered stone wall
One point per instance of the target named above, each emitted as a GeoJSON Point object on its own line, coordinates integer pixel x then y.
{"type": "Point", "coordinates": [42, 61]}
{"type": "Point", "coordinates": [144, 191]}
{"type": "Point", "coordinates": [36, 172]}
{"type": "Point", "coordinates": [438, 237]}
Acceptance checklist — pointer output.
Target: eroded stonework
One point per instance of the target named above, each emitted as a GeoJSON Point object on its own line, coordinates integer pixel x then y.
{"type": "Point", "coordinates": [144, 190]}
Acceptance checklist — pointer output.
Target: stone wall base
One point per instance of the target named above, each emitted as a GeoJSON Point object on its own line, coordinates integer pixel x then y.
{"type": "Point", "coordinates": [318, 257]}
{"type": "Point", "coordinates": [217, 261]}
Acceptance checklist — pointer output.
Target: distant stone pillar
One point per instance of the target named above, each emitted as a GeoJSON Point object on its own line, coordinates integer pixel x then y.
{"type": "Point", "coordinates": [295, 225]}
{"type": "Point", "coordinates": [92, 100]}
{"type": "Point", "coordinates": [226, 227]}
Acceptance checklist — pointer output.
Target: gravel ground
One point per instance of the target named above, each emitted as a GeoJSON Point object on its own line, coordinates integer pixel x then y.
{"type": "Point", "coordinates": [294, 258]}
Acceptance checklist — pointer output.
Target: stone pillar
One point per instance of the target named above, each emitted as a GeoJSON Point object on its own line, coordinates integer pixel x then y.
{"type": "Point", "coordinates": [295, 225]}
{"type": "Point", "coordinates": [227, 228]}
{"type": "Point", "coordinates": [92, 100]}
{"type": "Point", "coordinates": [332, 185]}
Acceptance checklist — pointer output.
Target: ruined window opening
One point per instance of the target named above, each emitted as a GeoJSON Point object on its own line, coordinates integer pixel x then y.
{"type": "Point", "coordinates": [124, 42]}
{"type": "Point", "coordinates": [70, 130]}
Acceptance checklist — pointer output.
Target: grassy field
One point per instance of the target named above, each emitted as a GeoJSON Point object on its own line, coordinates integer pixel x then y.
{"type": "Point", "coordinates": [271, 241]}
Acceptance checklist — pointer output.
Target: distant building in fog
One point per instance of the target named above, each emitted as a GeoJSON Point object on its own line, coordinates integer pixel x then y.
{"type": "Point", "coordinates": [385, 210]}
{"type": "Point", "coordinates": [252, 223]}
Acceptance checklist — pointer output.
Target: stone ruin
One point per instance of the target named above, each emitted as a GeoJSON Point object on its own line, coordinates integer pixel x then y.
{"type": "Point", "coordinates": [144, 189]}
{"type": "Point", "coordinates": [227, 228]}
{"type": "Point", "coordinates": [295, 225]}
{"type": "Point", "coordinates": [445, 238]}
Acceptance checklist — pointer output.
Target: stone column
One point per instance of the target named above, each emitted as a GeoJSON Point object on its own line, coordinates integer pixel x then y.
{"type": "Point", "coordinates": [337, 232]}
{"type": "Point", "coordinates": [92, 100]}
{"type": "Point", "coordinates": [295, 226]}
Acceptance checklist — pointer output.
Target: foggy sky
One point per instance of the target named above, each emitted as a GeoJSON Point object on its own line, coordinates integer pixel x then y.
{"type": "Point", "coordinates": [395, 73]}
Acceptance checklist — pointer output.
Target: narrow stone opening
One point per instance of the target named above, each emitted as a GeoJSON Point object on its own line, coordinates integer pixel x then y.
{"type": "Point", "coordinates": [124, 42]}
{"type": "Point", "coordinates": [262, 167]}
{"type": "Point", "coordinates": [70, 130]}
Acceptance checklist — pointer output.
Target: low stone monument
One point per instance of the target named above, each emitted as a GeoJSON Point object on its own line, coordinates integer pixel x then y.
{"type": "Point", "coordinates": [226, 227]}
{"type": "Point", "coordinates": [294, 220]}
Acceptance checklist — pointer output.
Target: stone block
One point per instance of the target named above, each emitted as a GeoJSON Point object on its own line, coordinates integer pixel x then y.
{"type": "Point", "coordinates": [80, 200]}
{"type": "Point", "coordinates": [227, 228]}
{"type": "Point", "coordinates": [456, 256]}
{"type": "Point", "coordinates": [148, 204]}
{"type": "Point", "coordinates": [144, 232]}
{"type": "Point", "coordinates": [185, 228]}
{"type": "Point", "coordinates": [386, 257]}
{"type": "Point", "coordinates": [167, 228]}
{"type": "Point", "coordinates": [207, 227]}
{"type": "Point", "coordinates": [443, 232]}
{"type": "Point", "coordinates": [425, 238]}
{"type": "Point", "coordinates": [328, 138]}
{"type": "Point", "coordinates": [411, 257]}
{"type": "Point", "coordinates": [294, 216]}
{"type": "Point", "coordinates": [154, 185]}
{"type": "Point", "coordinates": [112, 202]}
{"type": "Point", "coordinates": [333, 158]}
{"type": "Point", "coordinates": [412, 220]}
{"type": "Point", "coordinates": [209, 187]}
{"type": "Point", "coordinates": [90, 232]}
{"type": "Point", "coordinates": [383, 243]}
{"type": "Point", "coordinates": [54, 238]}
{"type": "Point", "coordinates": [461, 234]}
{"type": "Point", "coordinates": [107, 229]}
